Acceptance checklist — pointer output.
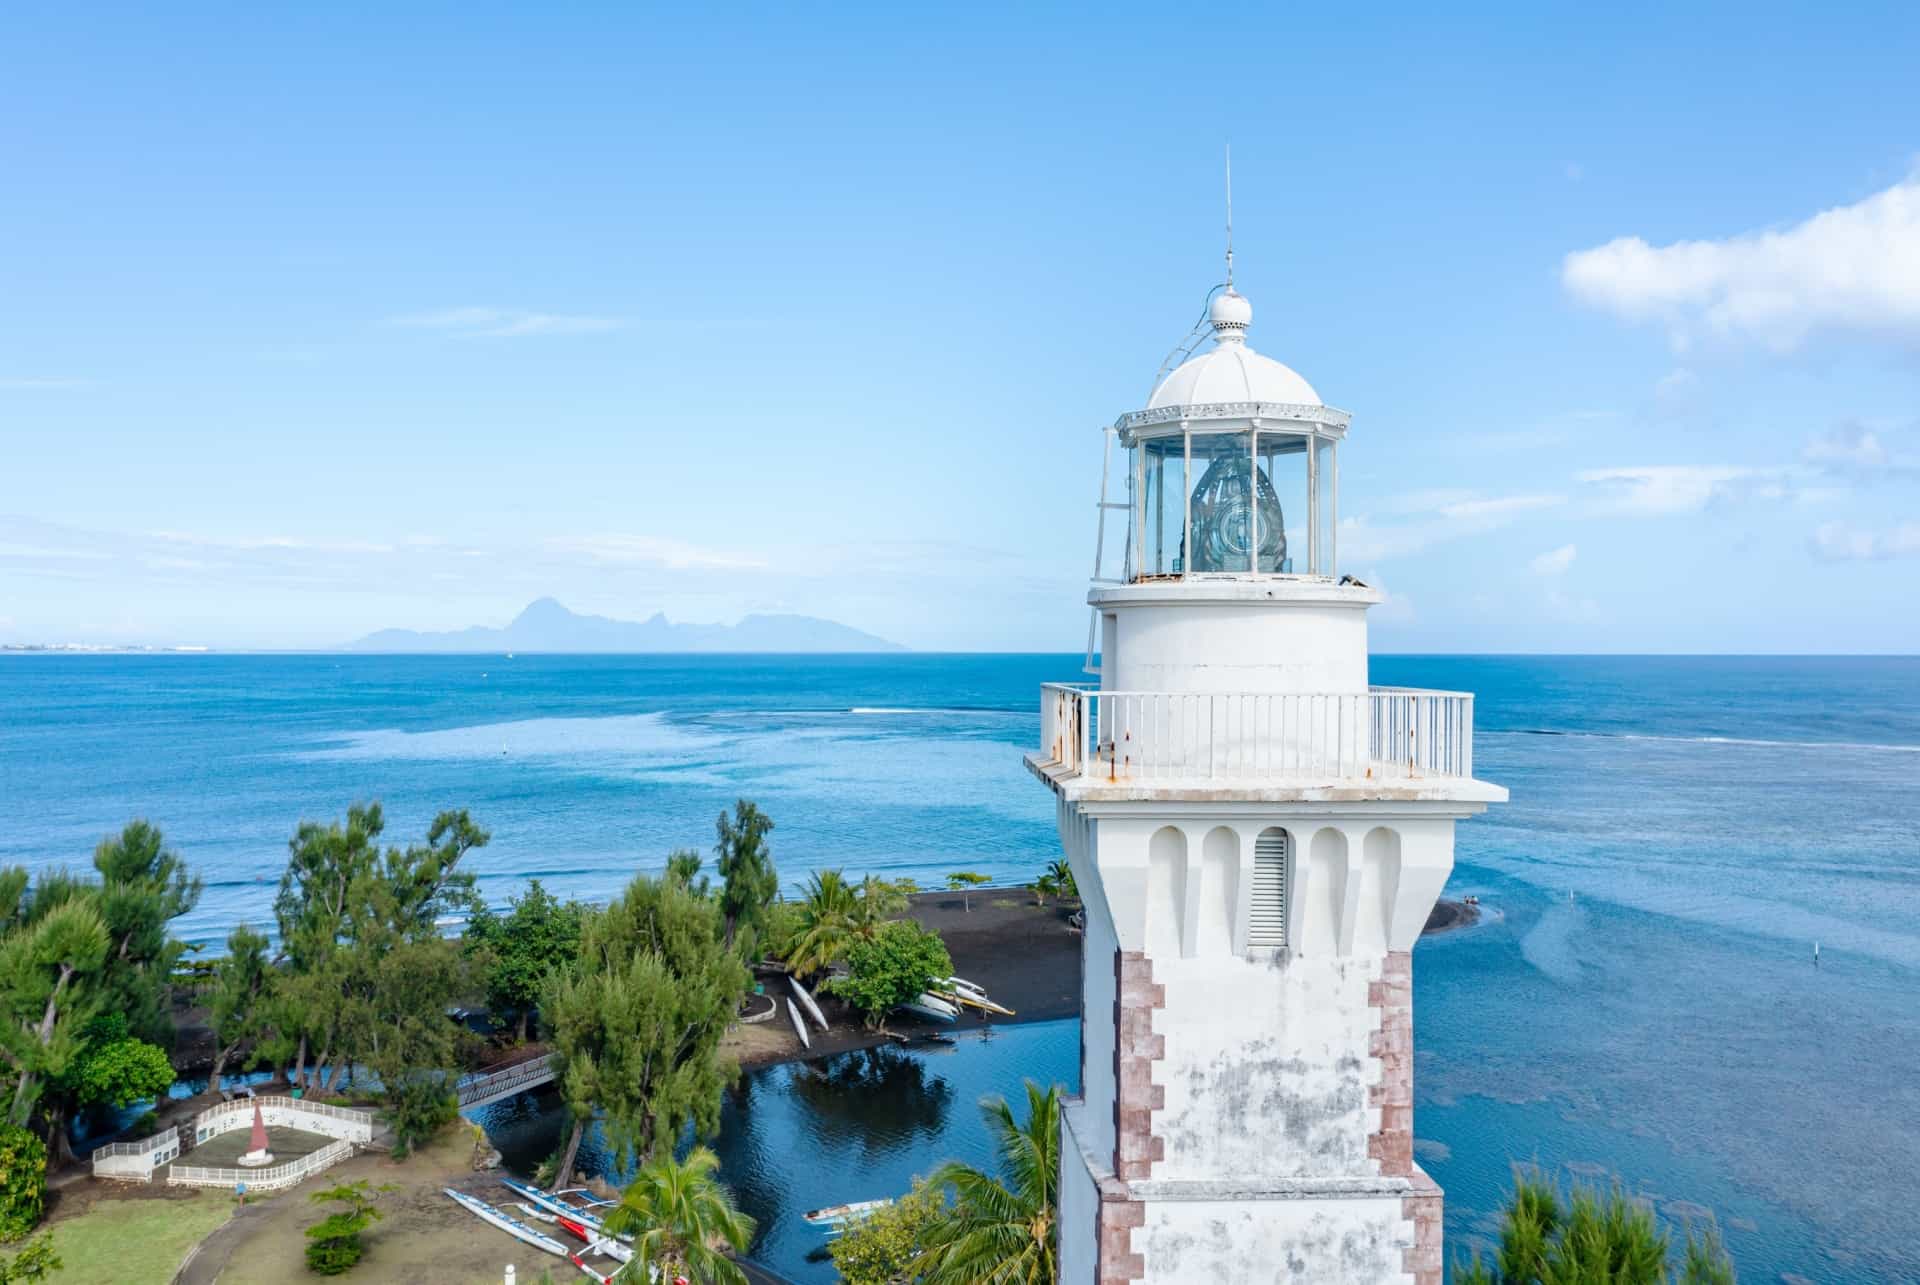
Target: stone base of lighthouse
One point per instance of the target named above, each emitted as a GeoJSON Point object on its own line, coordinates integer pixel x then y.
{"type": "Point", "coordinates": [1247, 1112]}
{"type": "Point", "coordinates": [1305, 1203]}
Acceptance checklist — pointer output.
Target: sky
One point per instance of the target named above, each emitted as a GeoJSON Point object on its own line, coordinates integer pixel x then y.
{"type": "Point", "coordinates": [325, 319]}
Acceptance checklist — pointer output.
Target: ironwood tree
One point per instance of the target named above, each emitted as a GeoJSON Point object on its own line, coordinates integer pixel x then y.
{"type": "Point", "coordinates": [369, 975]}
{"type": "Point", "coordinates": [240, 1006]}
{"type": "Point", "coordinates": [635, 1022]}
{"type": "Point", "coordinates": [748, 880]}
{"type": "Point", "coordinates": [72, 948]}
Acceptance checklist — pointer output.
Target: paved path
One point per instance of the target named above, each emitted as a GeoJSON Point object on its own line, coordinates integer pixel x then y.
{"type": "Point", "coordinates": [209, 1258]}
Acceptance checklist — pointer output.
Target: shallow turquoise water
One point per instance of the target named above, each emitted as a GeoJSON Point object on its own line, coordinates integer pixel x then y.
{"type": "Point", "coordinates": [1642, 1002]}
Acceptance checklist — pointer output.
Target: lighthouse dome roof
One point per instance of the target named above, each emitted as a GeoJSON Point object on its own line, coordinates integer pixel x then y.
{"type": "Point", "coordinates": [1231, 371]}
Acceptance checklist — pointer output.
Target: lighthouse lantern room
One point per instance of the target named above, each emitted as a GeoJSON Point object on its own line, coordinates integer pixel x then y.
{"type": "Point", "coordinates": [1258, 836]}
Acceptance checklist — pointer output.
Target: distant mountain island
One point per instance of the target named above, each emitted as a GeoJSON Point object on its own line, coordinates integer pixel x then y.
{"type": "Point", "coordinates": [547, 626]}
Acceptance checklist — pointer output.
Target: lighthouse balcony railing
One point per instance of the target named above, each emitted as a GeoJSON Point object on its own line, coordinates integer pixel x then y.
{"type": "Point", "coordinates": [1384, 733]}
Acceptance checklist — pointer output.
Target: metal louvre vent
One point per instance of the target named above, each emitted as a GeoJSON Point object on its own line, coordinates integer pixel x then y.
{"type": "Point", "coordinates": [1268, 925]}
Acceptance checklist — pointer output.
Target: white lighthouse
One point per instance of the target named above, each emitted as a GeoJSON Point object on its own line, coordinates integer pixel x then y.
{"type": "Point", "coordinates": [1259, 837]}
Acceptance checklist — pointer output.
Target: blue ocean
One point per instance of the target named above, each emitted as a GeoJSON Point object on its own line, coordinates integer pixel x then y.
{"type": "Point", "coordinates": [1640, 1004]}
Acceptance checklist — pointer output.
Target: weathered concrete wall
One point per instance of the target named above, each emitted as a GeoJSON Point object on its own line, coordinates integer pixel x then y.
{"type": "Point", "coordinates": [1349, 1241]}
{"type": "Point", "coordinates": [1247, 1110]}
{"type": "Point", "coordinates": [1268, 1069]}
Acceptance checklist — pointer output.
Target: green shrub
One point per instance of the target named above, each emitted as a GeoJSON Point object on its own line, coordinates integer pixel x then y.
{"type": "Point", "coordinates": [334, 1242]}
{"type": "Point", "coordinates": [890, 968]}
{"type": "Point", "coordinates": [879, 1249]}
{"type": "Point", "coordinates": [124, 1072]}
{"type": "Point", "coordinates": [146, 1125]}
{"type": "Point", "coordinates": [35, 1262]}
{"type": "Point", "coordinates": [333, 1255]}
{"type": "Point", "coordinates": [23, 1181]}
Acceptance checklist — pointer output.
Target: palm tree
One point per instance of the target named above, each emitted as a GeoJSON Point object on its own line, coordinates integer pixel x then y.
{"type": "Point", "coordinates": [682, 1222]}
{"type": "Point", "coordinates": [1056, 881]}
{"type": "Point", "coordinates": [1001, 1230]}
{"type": "Point", "coordinates": [879, 900]}
{"type": "Point", "coordinates": [828, 910]}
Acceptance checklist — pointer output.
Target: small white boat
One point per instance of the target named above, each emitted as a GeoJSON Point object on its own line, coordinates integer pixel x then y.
{"type": "Point", "coordinates": [834, 1218]}
{"type": "Point", "coordinates": [806, 1002]}
{"type": "Point", "coordinates": [799, 1024]}
{"type": "Point", "coordinates": [966, 987]}
{"type": "Point", "coordinates": [931, 1007]}
{"type": "Point", "coordinates": [507, 1223]}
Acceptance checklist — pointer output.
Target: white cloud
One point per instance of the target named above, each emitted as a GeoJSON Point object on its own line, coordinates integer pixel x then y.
{"type": "Point", "coordinates": [649, 550]}
{"type": "Point", "coordinates": [496, 323]}
{"type": "Point", "coordinates": [1856, 451]}
{"type": "Point", "coordinates": [1503, 506]}
{"type": "Point", "coordinates": [1838, 542]}
{"type": "Point", "coordinates": [1436, 515]}
{"type": "Point", "coordinates": [1554, 562]}
{"type": "Point", "coordinates": [1683, 488]}
{"type": "Point", "coordinates": [1852, 268]}
{"type": "Point", "coordinates": [287, 542]}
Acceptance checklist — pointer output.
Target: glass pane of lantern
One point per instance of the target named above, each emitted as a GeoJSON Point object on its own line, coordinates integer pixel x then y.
{"type": "Point", "coordinates": [1329, 516]}
{"type": "Point", "coordinates": [1223, 519]}
{"type": "Point", "coordinates": [1283, 502]}
{"type": "Point", "coordinates": [1162, 504]}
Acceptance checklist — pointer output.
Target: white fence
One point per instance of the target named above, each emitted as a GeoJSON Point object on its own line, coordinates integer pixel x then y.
{"type": "Point", "coordinates": [267, 1178]}
{"type": "Point", "coordinates": [351, 1124]}
{"type": "Point", "coordinates": [135, 1161]}
{"type": "Point", "coordinates": [1384, 733]}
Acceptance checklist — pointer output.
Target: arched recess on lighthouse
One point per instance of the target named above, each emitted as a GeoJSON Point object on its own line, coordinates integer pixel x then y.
{"type": "Point", "coordinates": [1379, 889]}
{"type": "Point", "coordinates": [1323, 893]}
{"type": "Point", "coordinates": [1219, 892]}
{"type": "Point", "coordinates": [1166, 891]}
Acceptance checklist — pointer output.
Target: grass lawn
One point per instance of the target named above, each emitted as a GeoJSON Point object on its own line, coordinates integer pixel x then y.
{"type": "Point", "coordinates": [135, 1242]}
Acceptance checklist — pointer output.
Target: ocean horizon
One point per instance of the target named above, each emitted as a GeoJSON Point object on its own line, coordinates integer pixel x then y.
{"type": "Point", "coordinates": [1640, 1002]}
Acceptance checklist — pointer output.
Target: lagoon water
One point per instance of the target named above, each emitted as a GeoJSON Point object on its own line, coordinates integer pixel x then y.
{"type": "Point", "coordinates": [1640, 1004]}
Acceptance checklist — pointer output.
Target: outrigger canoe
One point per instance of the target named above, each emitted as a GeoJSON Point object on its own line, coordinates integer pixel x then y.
{"type": "Point", "coordinates": [576, 1203]}
{"type": "Point", "coordinates": [834, 1218]}
{"type": "Point", "coordinates": [507, 1223]}
{"type": "Point", "coordinates": [931, 1007]}
{"type": "Point", "coordinates": [960, 990]}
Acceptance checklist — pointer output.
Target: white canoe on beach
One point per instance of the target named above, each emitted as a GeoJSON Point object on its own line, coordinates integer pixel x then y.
{"type": "Point", "coordinates": [799, 1023]}
{"type": "Point", "coordinates": [806, 1000]}
{"type": "Point", "coordinates": [507, 1223]}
